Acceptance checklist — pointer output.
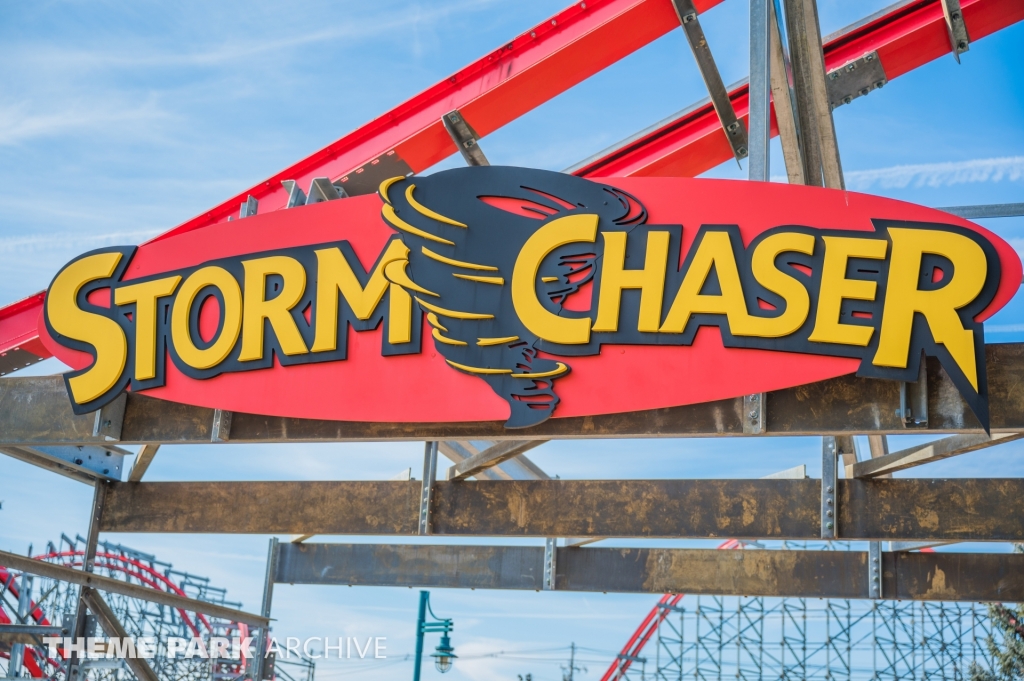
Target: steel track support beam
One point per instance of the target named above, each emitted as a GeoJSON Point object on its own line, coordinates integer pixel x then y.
{"type": "Point", "coordinates": [142, 461]}
{"type": "Point", "coordinates": [918, 455]}
{"type": "Point", "coordinates": [820, 150]}
{"type": "Point", "coordinates": [783, 99]}
{"type": "Point", "coordinates": [88, 565]}
{"type": "Point", "coordinates": [992, 210]}
{"type": "Point", "coordinates": [733, 127]}
{"type": "Point", "coordinates": [257, 666]}
{"type": "Point", "coordinates": [758, 165]}
{"type": "Point", "coordinates": [490, 457]}
{"type": "Point", "coordinates": [427, 487]}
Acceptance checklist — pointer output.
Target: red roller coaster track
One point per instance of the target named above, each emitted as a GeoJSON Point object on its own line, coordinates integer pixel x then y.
{"type": "Point", "coordinates": [35, 662]}
{"type": "Point", "coordinates": [533, 68]}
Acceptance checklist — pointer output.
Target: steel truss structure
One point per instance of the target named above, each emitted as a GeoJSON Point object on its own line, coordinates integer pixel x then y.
{"type": "Point", "coordinates": [797, 79]}
{"type": "Point", "coordinates": [52, 603]}
{"type": "Point", "coordinates": [713, 637]}
{"type": "Point", "coordinates": [798, 638]}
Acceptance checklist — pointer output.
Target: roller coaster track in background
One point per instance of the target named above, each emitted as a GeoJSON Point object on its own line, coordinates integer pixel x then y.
{"type": "Point", "coordinates": [139, 618]}
{"type": "Point", "coordinates": [535, 67]}
{"type": "Point", "coordinates": [786, 638]}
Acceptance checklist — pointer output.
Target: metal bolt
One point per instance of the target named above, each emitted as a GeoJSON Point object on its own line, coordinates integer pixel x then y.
{"type": "Point", "coordinates": [554, 22]}
{"type": "Point", "coordinates": [742, 152]}
{"type": "Point", "coordinates": [962, 45]}
{"type": "Point", "coordinates": [106, 424]}
{"type": "Point", "coordinates": [105, 471]}
{"type": "Point", "coordinates": [753, 416]}
{"type": "Point", "coordinates": [533, 34]}
{"type": "Point", "coordinates": [829, 501]}
{"type": "Point", "coordinates": [828, 513]}
{"type": "Point", "coordinates": [879, 84]}
{"type": "Point", "coordinates": [847, 99]}
{"type": "Point", "coordinates": [869, 57]}
{"type": "Point", "coordinates": [955, 16]}
{"type": "Point", "coordinates": [689, 16]}
{"type": "Point", "coordinates": [733, 127]}
{"type": "Point", "coordinates": [828, 489]}
{"type": "Point", "coordinates": [851, 67]}
{"type": "Point", "coordinates": [865, 91]}
{"type": "Point", "coordinates": [829, 525]}
{"type": "Point", "coordinates": [833, 75]}
{"type": "Point", "coordinates": [78, 461]}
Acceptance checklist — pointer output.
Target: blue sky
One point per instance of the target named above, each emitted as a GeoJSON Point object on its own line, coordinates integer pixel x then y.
{"type": "Point", "coordinates": [120, 120]}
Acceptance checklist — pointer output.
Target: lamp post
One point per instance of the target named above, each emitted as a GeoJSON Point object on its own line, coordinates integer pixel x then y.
{"type": "Point", "coordinates": [444, 653]}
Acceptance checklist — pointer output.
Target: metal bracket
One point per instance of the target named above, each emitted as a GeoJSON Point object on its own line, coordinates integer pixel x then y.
{"type": "Point", "coordinates": [956, 28]}
{"type": "Point", "coordinates": [427, 486]}
{"type": "Point", "coordinates": [874, 569]}
{"type": "Point", "coordinates": [550, 563]}
{"type": "Point", "coordinates": [855, 79]}
{"type": "Point", "coordinates": [221, 429]}
{"type": "Point", "coordinates": [913, 411]}
{"type": "Point", "coordinates": [465, 138]}
{"type": "Point", "coordinates": [110, 418]}
{"type": "Point", "coordinates": [85, 463]}
{"type": "Point", "coordinates": [753, 414]}
{"type": "Point", "coordinates": [322, 189]}
{"type": "Point", "coordinates": [735, 132]}
{"type": "Point", "coordinates": [296, 197]}
{"type": "Point", "coordinates": [829, 483]}
{"type": "Point", "coordinates": [248, 208]}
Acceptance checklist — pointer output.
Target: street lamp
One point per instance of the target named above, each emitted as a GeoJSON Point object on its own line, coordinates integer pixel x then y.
{"type": "Point", "coordinates": [444, 653]}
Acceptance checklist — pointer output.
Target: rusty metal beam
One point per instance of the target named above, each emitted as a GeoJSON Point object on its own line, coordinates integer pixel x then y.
{"type": "Point", "coordinates": [116, 586]}
{"type": "Point", "coordinates": [945, 448]}
{"type": "Point", "coordinates": [825, 574]}
{"type": "Point", "coordinates": [490, 457]}
{"type": "Point", "coordinates": [888, 510]}
{"type": "Point", "coordinates": [36, 411]}
{"type": "Point", "coordinates": [142, 462]}
{"type": "Point", "coordinates": [113, 628]}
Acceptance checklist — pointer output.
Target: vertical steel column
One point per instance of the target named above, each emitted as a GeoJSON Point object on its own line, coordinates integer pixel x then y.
{"type": "Point", "coordinates": [783, 98]}
{"type": "Point", "coordinates": [818, 143]}
{"type": "Point", "coordinates": [550, 563]}
{"type": "Point", "coordinates": [420, 620]}
{"type": "Point", "coordinates": [24, 604]}
{"type": "Point", "coordinates": [760, 91]}
{"type": "Point", "coordinates": [260, 654]}
{"type": "Point", "coordinates": [874, 569]}
{"type": "Point", "coordinates": [829, 480]}
{"type": "Point", "coordinates": [427, 487]}
{"type": "Point", "coordinates": [88, 563]}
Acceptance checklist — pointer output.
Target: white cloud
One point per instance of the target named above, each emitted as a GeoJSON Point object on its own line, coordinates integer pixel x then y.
{"type": "Point", "coordinates": [69, 241]}
{"type": "Point", "coordinates": [21, 121]}
{"type": "Point", "coordinates": [937, 175]}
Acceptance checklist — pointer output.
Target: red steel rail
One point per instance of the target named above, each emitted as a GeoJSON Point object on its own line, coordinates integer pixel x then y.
{"type": "Point", "coordinates": [538, 65]}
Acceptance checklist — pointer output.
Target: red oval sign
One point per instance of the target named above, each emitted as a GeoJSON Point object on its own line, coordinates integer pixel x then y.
{"type": "Point", "coordinates": [504, 293]}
